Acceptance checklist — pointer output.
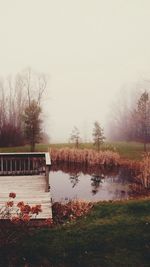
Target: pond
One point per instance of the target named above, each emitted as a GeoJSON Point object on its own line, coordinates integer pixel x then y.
{"type": "Point", "coordinates": [78, 183]}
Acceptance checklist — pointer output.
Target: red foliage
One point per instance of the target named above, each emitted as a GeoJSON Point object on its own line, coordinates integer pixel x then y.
{"type": "Point", "coordinates": [25, 209]}
{"type": "Point", "coordinates": [20, 204]}
{"type": "Point", "coordinates": [12, 195]}
{"type": "Point", "coordinates": [70, 211]}
{"type": "Point", "coordinates": [25, 218]}
{"type": "Point", "coordinates": [36, 209]}
{"type": "Point", "coordinates": [9, 204]}
{"type": "Point", "coordinates": [16, 219]}
{"type": "Point", "coordinates": [19, 212]}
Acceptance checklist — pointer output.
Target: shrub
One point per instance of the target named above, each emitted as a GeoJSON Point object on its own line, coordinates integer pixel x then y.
{"type": "Point", "coordinates": [70, 211]}
{"type": "Point", "coordinates": [17, 221]}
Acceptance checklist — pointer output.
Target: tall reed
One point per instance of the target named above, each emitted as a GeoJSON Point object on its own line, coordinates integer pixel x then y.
{"type": "Point", "coordinates": [85, 156]}
{"type": "Point", "coordinates": [144, 176]}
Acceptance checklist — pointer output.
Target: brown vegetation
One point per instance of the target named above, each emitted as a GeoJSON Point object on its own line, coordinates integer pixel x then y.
{"type": "Point", "coordinates": [70, 211]}
{"type": "Point", "coordinates": [144, 171]}
{"type": "Point", "coordinates": [86, 156]}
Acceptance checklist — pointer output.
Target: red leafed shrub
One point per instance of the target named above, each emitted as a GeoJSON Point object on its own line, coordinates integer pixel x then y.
{"type": "Point", "coordinates": [17, 221]}
{"type": "Point", "coordinates": [69, 211]}
{"type": "Point", "coordinates": [24, 212]}
{"type": "Point", "coordinates": [16, 218]}
{"type": "Point", "coordinates": [12, 195]}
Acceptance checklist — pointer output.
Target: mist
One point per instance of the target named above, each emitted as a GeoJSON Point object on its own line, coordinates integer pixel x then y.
{"type": "Point", "coordinates": [89, 49]}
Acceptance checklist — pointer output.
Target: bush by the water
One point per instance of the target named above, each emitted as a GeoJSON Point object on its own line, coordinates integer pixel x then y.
{"type": "Point", "coordinates": [70, 211]}
{"type": "Point", "coordinates": [85, 156]}
{"type": "Point", "coordinates": [16, 220]}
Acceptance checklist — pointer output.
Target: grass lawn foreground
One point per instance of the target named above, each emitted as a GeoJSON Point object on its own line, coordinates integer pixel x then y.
{"type": "Point", "coordinates": [113, 234]}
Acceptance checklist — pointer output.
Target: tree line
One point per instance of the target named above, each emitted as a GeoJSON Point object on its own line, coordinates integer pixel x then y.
{"type": "Point", "coordinates": [130, 120]}
{"type": "Point", "coordinates": [20, 108]}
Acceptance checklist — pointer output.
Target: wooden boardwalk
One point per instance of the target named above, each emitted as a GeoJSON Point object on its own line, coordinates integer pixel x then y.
{"type": "Point", "coordinates": [33, 188]}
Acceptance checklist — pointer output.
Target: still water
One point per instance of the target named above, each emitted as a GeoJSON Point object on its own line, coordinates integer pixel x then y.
{"type": "Point", "coordinates": [94, 185]}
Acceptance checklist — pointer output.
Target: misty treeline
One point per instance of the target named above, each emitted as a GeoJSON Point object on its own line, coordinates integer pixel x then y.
{"type": "Point", "coordinates": [20, 108]}
{"type": "Point", "coordinates": [130, 116]}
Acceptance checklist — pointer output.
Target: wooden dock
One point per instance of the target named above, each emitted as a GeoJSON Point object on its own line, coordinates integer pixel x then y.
{"type": "Point", "coordinates": [26, 174]}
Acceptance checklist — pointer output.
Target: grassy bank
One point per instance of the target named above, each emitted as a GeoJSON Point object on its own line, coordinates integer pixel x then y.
{"type": "Point", "coordinates": [129, 150]}
{"type": "Point", "coordinates": [113, 234]}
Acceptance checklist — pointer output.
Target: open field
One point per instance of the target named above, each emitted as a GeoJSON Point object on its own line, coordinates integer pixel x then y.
{"type": "Point", "coordinates": [113, 234]}
{"type": "Point", "coordinates": [129, 150]}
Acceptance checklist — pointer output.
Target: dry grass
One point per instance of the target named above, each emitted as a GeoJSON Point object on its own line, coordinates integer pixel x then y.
{"type": "Point", "coordinates": [144, 176]}
{"type": "Point", "coordinates": [85, 156]}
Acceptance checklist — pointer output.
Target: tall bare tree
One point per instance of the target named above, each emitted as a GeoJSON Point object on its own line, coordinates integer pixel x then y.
{"type": "Point", "coordinates": [75, 136]}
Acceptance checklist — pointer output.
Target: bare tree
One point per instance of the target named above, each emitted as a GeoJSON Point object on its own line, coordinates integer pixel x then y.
{"type": "Point", "coordinates": [75, 136]}
{"type": "Point", "coordinates": [17, 94]}
{"type": "Point", "coordinates": [34, 84]}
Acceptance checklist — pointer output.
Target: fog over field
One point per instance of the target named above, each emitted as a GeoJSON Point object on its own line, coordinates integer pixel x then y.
{"type": "Point", "coordinates": [90, 49]}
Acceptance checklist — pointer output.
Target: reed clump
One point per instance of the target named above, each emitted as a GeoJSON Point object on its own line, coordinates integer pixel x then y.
{"type": "Point", "coordinates": [144, 175]}
{"type": "Point", "coordinates": [87, 157]}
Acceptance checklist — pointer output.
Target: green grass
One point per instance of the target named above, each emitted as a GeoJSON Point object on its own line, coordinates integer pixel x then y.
{"type": "Point", "coordinates": [26, 148]}
{"type": "Point", "coordinates": [113, 234]}
{"type": "Point", "coordinates": [129, 150]}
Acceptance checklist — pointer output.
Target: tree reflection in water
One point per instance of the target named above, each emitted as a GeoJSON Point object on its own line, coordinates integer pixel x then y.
{"type": "Point", "coordinates": [74, 179]}
{"type": "Point", "coordinates": [97, 180]}
{"type": "Point", "coordinates": [78, 168]}
{"type": "Point", "coordinates": [102, 182]}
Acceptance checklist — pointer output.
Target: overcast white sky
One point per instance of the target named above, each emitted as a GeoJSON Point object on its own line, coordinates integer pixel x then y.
{"type": "Point", "coordinates": [89, 48]}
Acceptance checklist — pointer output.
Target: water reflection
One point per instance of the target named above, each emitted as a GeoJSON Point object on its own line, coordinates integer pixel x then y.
{"type": "Point", "coordinates": [84, 169]}
{"type": "Point", "coordinates": [73, 181]}
{"type": "Point", "coordinates": [97, 180]}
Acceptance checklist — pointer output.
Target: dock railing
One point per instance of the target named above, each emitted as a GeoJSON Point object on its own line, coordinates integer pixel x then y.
{"type": "Point", "coordinates": [33, 163]}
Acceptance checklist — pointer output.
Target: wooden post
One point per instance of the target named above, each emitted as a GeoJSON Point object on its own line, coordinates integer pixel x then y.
{"type": "Point", "coordinates": [6, 160]}
{"type": "Point", "coordinates": [47, 169]}
{"type": "Point", "coordinates": [1, 164]}
{"type": "Point", "coordinates": [10, 165]}
{"type": "Point", "coordinates": [28, 164]}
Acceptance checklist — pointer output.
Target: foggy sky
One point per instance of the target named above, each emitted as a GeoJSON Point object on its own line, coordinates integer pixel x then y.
{"type": "Point", "coordinates": [89, 48]}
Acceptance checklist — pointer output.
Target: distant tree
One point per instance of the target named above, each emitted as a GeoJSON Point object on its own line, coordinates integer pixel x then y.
{"type": "Point", "coordinates": [75, 137]}
{"type": "Point", "coordinates": [16, 93]}
{"type": "Point", "coordinates": [98, 135]}
{"type": "Point", "coordinates": [142, 119]}
{"type": "Point", "coordinates": [32, 123]}
{"type": "Point", "coordinates": [122, 125]}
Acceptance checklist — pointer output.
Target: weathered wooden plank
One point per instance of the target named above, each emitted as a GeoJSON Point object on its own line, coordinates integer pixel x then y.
{"type": "Point", "coordinates": [30, 189]}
